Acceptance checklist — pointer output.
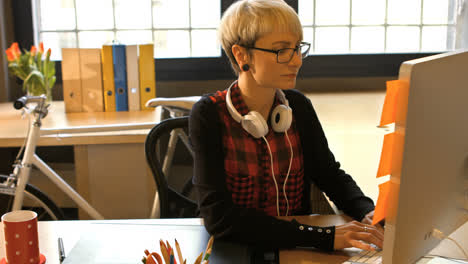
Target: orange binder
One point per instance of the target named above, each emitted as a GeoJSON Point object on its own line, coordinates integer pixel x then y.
{"type": "Point", "coordinates": [108, 78]}
{"type": "Point", "coordinates": [91, 80]}
{"type": "Point", "coordinates": [71, 80]}
{"type": "Point", "coordinates": [147, 75]}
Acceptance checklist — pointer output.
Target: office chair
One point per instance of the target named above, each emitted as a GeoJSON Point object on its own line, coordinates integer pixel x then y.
{"type": "Point", "coordinates": [172, 193]}
{"type": "Point", "coordinates": [173, 200]}
{"type": "Point", "coordinates": [319, 204]}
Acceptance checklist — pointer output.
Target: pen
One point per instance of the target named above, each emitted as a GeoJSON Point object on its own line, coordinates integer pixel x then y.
{"type": "Point", "coordinates": [61, 250]}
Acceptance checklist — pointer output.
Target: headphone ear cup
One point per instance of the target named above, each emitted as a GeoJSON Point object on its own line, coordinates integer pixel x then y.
{"type": "Point", "coordinates": [254, 124]}
{"type": "Point", "coordinates": [281, 118]}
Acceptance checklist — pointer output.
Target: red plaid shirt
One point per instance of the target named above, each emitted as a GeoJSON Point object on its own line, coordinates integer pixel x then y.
{"type": "Point", "coordinates": [247, 161]}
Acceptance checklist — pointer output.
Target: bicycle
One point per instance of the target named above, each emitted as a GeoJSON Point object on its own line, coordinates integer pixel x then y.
{"type": "Point", "coordinates": [15, 187]}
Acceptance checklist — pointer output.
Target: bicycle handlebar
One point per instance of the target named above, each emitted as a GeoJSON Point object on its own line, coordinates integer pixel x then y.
{"type": "Point", "coordinates": [22, 101]}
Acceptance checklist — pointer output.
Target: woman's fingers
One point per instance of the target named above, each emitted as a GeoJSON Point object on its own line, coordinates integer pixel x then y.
{"type": "Point", "coordinates": [367, 220]}
{"type": "Point", "coordinates": [367, 237]}
{"type": "Point", "coordinates": [361, 245]}
{"type": "Point", "coordinates": [375, 231]}
{"type": "Point", "coordinates": [360, 227]}
{"type": "Point", "coordinates": [347, 240]}
{"type": "Point", "coordinates": [356, 234]}
{"type": "Point", "coordinates": [351, 226]}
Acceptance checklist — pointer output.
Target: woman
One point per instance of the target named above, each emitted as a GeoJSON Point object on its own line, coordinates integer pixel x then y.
{"type": "Point", "coordinates": [259, 144]}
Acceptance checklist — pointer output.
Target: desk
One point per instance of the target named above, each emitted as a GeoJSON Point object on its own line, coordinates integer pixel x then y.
{"type": "Point", "coordinates": [70, 231]}
{"type": "Point", "coordinates": [349, 120]}
{"type": "Point", "coordinates": [110, 167]}
{"type": "Point", "coordinates": [307, 256]}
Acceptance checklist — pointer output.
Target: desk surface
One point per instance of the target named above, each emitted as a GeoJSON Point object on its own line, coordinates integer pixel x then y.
{"type": "Point", "coordinates": [70, 231]}
{"type": "Point", "coordinates": [13, 128]}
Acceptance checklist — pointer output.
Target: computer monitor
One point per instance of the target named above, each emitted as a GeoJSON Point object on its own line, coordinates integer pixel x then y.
{"type": "Point", "coordinates": [430, 187]}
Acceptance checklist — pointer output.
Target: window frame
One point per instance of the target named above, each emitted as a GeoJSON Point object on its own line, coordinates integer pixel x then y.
{"type": "Point", "coordinates": [218, 68]}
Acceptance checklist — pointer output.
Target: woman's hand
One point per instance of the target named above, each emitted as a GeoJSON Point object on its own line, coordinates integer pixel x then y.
{"type": "Point", "coordinates": [359, 235]}
{"type": "Point", "coordinates": [368, 220]}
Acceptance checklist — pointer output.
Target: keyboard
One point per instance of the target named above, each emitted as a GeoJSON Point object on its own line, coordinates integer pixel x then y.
{"type": "Point", "coordinates": [368, 257]}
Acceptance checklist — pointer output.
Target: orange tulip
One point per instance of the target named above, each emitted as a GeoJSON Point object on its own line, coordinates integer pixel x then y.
{"type": "Point", "coordinates": [10, 54]}
{"type": "Point", "coordinates": [15, 49]}
{"type": "Point", "coordinates": [33, 50]}
{"type": "Point", "coordinates": [13, 53]}
{"type": "Point", "coordinates": [41, 47]}
{"type": "Point", "coordinates": [49, 51]}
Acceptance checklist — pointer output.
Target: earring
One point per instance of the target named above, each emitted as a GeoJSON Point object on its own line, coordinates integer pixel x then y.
{"type": "Point", "coordinates": [245, 67]}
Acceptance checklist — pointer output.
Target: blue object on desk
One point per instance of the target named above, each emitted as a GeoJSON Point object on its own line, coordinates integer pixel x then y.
{"type": "Point", "coordinates": [120, 77]}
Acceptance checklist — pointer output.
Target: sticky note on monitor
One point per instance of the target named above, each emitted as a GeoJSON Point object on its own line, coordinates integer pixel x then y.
{"type": "Point", "coordinates": [390, 103]}
{"type": "Point", "coordinates": [382, 202]}
{"type": "Point", "coordinates": [392, 154]}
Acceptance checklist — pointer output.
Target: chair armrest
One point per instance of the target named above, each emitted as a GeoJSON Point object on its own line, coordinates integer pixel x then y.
{"type": "Point", "coordinates": [181, 102]}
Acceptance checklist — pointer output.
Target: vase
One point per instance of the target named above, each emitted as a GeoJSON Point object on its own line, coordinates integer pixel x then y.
{"type": "Point", "coordinates": [48, 93]}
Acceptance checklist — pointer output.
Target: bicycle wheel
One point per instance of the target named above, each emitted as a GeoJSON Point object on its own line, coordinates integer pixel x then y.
{"type": "Point", "coordinates": [34, 200]}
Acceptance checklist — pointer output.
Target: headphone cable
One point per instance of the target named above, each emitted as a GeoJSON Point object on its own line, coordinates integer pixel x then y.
{"type": "Point", "coordinates": [274, 178]}
{"type": "Point", "coordinates": [289, 170]}
{"type": "Point", "coordinates": [273, 174]}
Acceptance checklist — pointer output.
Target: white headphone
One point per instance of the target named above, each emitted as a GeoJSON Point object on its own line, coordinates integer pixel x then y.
{"type": "Point", "coordinates": [255, 125]}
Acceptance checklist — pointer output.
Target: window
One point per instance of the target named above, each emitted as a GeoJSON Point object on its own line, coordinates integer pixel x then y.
{"type": "Point", "coordinates": [187, 28]}
{"type": "Point", "coordinates": [378, 26]}
{"type": "Point", "coordinates": [359, 56]}
{"type": "Point", "coordinates": [179, 28]}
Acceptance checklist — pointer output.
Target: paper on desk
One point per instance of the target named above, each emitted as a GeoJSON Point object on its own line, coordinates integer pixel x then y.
{"type": "Point", "coordinates": [438, 260]}
{"type": "Point", "coordinates": [382, 202]}
{"type": "Point", "coordinates": [125, 243]}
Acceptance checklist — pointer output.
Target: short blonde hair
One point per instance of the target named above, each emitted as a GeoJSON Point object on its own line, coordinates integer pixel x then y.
{"type": "Point", "coordinates": [245, 21]}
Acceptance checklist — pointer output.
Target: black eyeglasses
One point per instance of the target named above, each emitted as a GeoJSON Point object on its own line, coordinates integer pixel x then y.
{"type": "Point", "coordinates": [285, 55]}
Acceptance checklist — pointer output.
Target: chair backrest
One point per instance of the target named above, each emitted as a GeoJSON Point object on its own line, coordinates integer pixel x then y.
{"type": "Point", "coordinates": [319, 204]}
{"type": "Point", "coordinates": [174, 189]}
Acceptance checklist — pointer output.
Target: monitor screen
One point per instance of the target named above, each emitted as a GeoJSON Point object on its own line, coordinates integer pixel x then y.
{"type": "Point", "coordinates": [430, 180]}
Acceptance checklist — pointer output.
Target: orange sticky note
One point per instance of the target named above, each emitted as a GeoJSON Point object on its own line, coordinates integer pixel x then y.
{"type": "Point", "coordinates": [397, 151]}
{"type": "Point", "coordinates": [401, 107]}
{"type": "Point", "coordinates": [385, 166]}
{"type": "Point", "coordinates": [382, 203]}
{"type": "Point", "coordinates": [390, 103]}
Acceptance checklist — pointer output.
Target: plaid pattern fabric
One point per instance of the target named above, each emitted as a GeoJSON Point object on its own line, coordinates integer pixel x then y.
{"type": "Point", "coordinates": [247, 161]}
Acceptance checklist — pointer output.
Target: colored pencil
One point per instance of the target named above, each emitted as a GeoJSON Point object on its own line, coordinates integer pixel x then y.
{"type": "Point", "coordinates": [208, 248]}
{"type": "Point", "coordinates": [207, 254]}
{"type": "Point", "coordinates": [179, 252]}
{"type": "Point", "coordinates": [172, 254]}
{"type": "Point", "coordinates": [168, 246]}
{"type": "Point", "coordinates": [164, 252]}
{"type": "Point", "coordinates": [199, 258]}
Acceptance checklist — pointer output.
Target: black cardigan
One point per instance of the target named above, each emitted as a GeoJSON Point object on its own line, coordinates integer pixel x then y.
{"type": "Point", "coordinates": [223, 219]}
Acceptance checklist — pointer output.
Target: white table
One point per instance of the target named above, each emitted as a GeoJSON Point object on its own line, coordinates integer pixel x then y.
{"type": "Point", "coordinates": [70, 232]}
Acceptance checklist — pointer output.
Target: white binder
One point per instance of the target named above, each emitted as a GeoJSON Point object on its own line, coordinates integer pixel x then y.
{"type": "Point", "coordinates": [133, 79]}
